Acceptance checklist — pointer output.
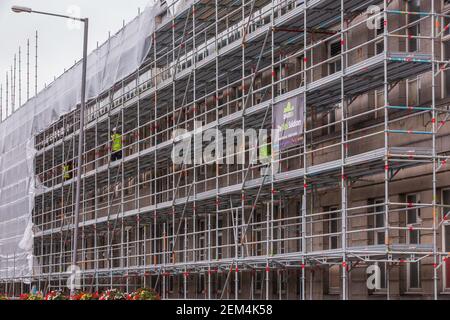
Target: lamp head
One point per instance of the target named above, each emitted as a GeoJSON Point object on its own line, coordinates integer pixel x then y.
{"type": "Point", "coordinates": [20, 9]}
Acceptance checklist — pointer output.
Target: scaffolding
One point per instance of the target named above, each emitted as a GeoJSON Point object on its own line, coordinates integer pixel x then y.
{"type": "Point", "coordinates": [303, 226]}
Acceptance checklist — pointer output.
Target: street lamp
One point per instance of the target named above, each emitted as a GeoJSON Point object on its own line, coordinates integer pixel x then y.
{"type": "Point", "coordinates": [19, 9]}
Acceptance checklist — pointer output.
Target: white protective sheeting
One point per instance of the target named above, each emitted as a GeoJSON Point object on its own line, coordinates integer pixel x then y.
{"type": "Point", "coordinates": [113, 61]}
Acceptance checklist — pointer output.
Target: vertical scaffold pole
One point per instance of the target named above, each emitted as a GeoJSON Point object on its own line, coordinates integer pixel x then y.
{"type": "Point", "coordinates": [343, 160]}
{"type": "Point", "coordinates": [6, 96]}
{"type": "Point", "coordinates": [20, 77]}
{"type": "Point", "coordinates": [386, 130]}
{"type": "Point", "coordinates": [36, 65]}
{"type": "Point", "coordinates": [1, 102]}
{"type": "Point", "coordinates": [216, 42]}
{"type": "Point", "coordinates": [194, 89]}
{"type": "Point", "coordinates": [28, 69]}
{"type": "Point", "coordinates": [434, 128]}
{"type": "Point", "coordinates": [305, 158]}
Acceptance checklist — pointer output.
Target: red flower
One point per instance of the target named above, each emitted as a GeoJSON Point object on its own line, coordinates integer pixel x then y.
{"type": "Point", "coordinates": [24, 296]}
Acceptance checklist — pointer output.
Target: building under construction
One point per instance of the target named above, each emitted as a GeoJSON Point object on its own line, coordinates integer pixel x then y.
{"type": "Point", "coordinates": [365, 187]}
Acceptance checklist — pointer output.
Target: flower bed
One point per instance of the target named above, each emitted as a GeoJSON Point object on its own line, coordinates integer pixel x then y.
{"type": "Point", "coordinates": [144, 294]}
{"type": "Point", "coordinates": [83, 296]}
{"type": "Point", "coordinates": [55, 295]}
{"type": "Point", "coordinates": [31, 296]}
{"type": "Point", "coordinates": [114, 294]}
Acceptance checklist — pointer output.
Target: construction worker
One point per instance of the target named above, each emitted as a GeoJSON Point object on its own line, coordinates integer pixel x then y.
{"type": "Point", "coordinates": [116, 145]}
{"type": "Point", "coordinates": [67, 171]}
{"type": "Point", "coordinates": [265, 151]}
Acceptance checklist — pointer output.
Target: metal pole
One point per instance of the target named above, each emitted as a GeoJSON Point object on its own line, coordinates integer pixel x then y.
{"type": "Point", "coordinates": [6, 95]}
{"type": "Point", "coordinates": [11, 84]}
{"type": "Point", "coordinates": [305, 158]}
{"type": "Point", "coordinates": [14, 84]}
{"type": "Point", "coordinates": [80, 152]}
{"type": "Point", "coordinates": [386, 137]}
{"type": "Point", "coordinates": [1, 103]}
{"type": "Point", "coordinates": [28, 69]}
{"type": "Point", "coordinates": [36, 66]}
{"type": "Point", "coordinates": [20, 77]}
{"type": "Point", "coordinates": [434, 128]}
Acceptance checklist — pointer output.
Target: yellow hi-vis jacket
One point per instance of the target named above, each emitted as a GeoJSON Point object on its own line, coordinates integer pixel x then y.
{"type": "Point", "coordinates": [66, 169]}
{"type": "Point", "coordinates": [116, 142]}
{"type": "Point", "coordinates": [265, 152]}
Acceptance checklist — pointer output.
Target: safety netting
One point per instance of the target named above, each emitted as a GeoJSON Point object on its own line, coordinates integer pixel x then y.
{"type": "Point", "coordinates": [115, 60]}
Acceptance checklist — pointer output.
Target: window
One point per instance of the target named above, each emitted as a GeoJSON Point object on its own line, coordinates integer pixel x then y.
{"type": "Point", "coordinates": [258, 234]}
{"type": "Point", "coordinates": [279, 245]}
{"type": "Point", "coordinates": [333, 228]}
{"type": "Point", "coordinates": [219, 282]}
{"type": "Point", "coordinates": [300, 67]}
{"type": "Point", "coordinates": [259, 279]}
{"type": "Point", "coordinates": [232, 282]}
{"type": "Point", "coordinates": [279, 283]}
{"type": "Point", "coordinates": [379, 218]}
{"type": "Point", "coordinates": [446, 45]}
{"type": "Point", "coordinates": [201, 283]}
{"type": "Point", "coordinates": [219, 239]}
{"type": "Point", "coordinates": [446, 235]}
{"type": "Point", "coordinates": [328, 121]}
{"type": "Point", "coordinates": [383, 275]}
{"type": "Point", "coordinates": [446, 22]}
{"type": "Point", "coordinates": [334, 279]}
{"type": "Point", "coordinates": [299, 286]}
{"type": "Point", "coordinates": [413, 237]}
{"type": "Point", "coordinates": [181, 281]}
{"type": "Point", "coordinates": [379, 44]}
{"type": "Point", "coordinates": [282, 73]}
{"type": "Point", "coordinates": [379, 103]}
{"type": "Point", "coordinates": [299, 226]}
{"type": "Point", "coordinates": [201, 242]}
{"type": "Point", "coordinates": [379, 237]}
{"type": "Point", "coordinates": [413, 41]}
{"type": "Point", "coordinates": [334, 51]}
{"type": "Point", "coordinates": [414, 30]}
{"type": "Point", "coordinates": [413, 91]}
{"type": "Point", "coordinates": [413, 218]}
{"type": "Point", "coordinates": [170, 284]}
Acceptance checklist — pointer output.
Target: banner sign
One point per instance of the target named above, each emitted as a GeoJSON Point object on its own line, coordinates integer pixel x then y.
{"type": "Point", "coordinates": [288, 121]}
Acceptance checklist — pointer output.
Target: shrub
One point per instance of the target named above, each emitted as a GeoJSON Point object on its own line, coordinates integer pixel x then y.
{"type": "Point", "coordinates": [89, 296]}
{"type": "Point", "coordinates": [144, 294]}
{"type": "Point", "coordinates": [113, 294]}
{"type": "Point", "coordinates": [31, 296]}
{"type": "Point", "coordinates": [55, 295]}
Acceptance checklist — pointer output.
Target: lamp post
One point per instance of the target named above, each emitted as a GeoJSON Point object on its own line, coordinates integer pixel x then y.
{"type": "Point", "coordinates": [19, 9]}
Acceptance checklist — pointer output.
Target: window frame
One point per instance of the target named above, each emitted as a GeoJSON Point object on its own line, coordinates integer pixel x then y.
{"type": "Point", "coordinates": [408, 241]}
{"type": "Point", "coordinates": [333, 210]}
{"type": "Point", "coordinates": [445, 225]}
{"type": "Point", "coordinates": [378, 203]}
{"type": "Point", "coordinates": [333, 59]}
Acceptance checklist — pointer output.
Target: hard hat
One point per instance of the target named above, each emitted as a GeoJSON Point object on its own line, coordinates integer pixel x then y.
{"type": "Point", "coordinates": [114, 129]}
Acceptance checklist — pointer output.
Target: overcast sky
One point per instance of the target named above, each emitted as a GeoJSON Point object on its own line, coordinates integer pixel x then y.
{"type": "Point", "coordinates": [60, 44]}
